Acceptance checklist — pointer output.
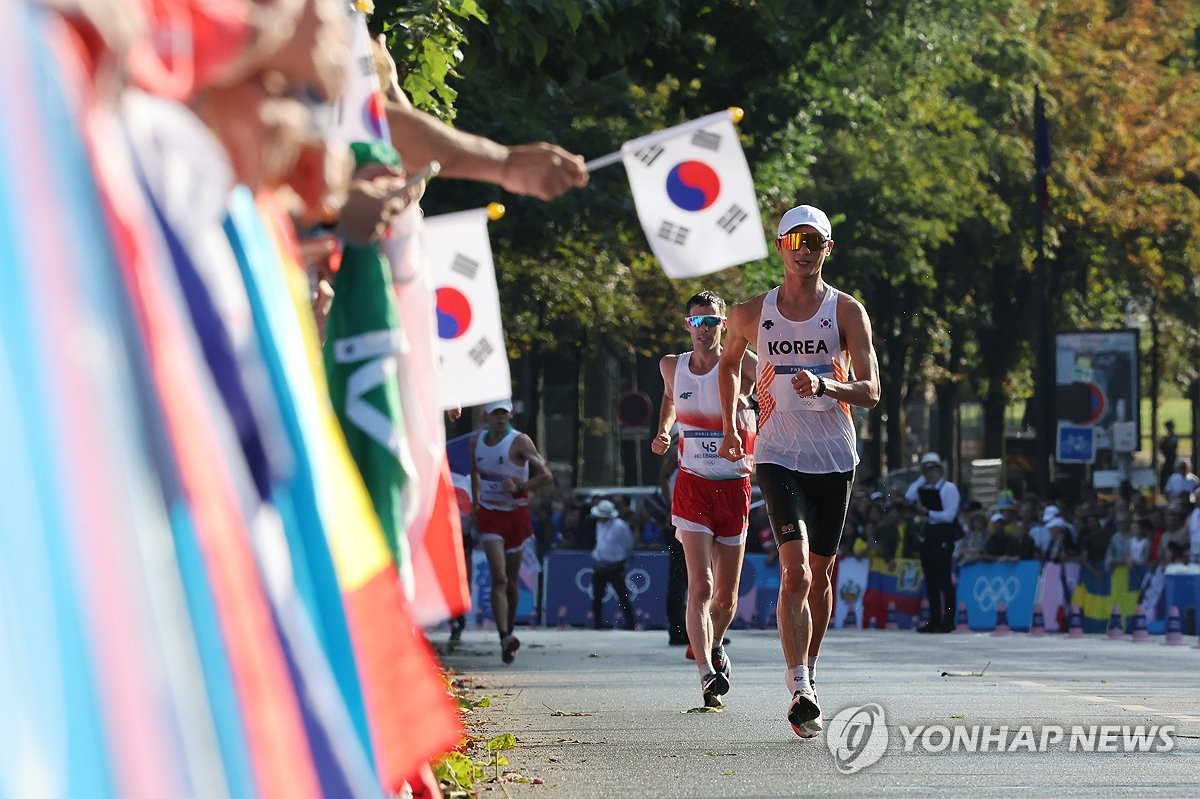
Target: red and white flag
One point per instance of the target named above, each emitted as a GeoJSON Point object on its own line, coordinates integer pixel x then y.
{"type": "Point", "coordinates": [695, 197]}
{"type": "Point", "coordinates": [474, 361]}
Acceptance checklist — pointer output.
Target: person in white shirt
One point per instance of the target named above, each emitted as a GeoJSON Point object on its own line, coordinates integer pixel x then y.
{"type": "Point", "coordinates": [936, 498]}
{"type": "Point", "coordinates": [1193, 528]}
{"type": "Point", "coordinates": [1183, 482]}
{"type": "Point", "coordinates": [614, 548]}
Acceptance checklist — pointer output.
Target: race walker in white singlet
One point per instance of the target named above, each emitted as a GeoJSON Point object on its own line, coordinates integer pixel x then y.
{"type": "Point", "coordinates": [813, 435]}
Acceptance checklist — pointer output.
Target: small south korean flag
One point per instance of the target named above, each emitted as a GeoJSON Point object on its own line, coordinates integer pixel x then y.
{"type": "Point", "coordinates": [358, 115]}
{"type": "Point", "coordinates": [474, 361]}
{"type": "Point", "coordinates": [695, 197]}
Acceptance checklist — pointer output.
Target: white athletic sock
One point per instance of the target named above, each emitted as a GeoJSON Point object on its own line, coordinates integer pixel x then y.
{"type": "Point", "coordinates": [797, 678]}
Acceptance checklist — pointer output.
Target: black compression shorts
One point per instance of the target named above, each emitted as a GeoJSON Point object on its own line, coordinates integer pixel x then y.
{"type": "Point", "coordinates": [811, 506]}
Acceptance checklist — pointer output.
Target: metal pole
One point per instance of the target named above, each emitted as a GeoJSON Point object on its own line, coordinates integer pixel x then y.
{"type": "Point", "coordinates": [1044, 379]}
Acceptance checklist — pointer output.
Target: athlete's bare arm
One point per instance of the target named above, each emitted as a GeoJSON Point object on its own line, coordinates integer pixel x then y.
{"type": "Point", "coordinates": [749, 375]}
{"type": "Point", "coordinates": [740, 324]}
{"type": "Point", "coordinates": [474, 475]}
{"type": "Point", "coordinates": [863, 389]}
{"type": "Point", "coordinates": [523, 451]}
{"type": "Point", "coordinates": [666, 409]}
{"type": "Point", "coordinates": [669, 465]}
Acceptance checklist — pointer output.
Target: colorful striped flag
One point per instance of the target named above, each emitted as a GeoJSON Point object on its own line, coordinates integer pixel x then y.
{"type": "Point", "coordinates": [186, 191]}
{"type": "Point", "coordinates": [362, 344]}
{"type": "Point", "coordinates": [394, 658]}
{"type": "Point", "coordinates": [441, 589]}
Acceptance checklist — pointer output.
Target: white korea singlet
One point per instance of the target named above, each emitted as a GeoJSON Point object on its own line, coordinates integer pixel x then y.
{"type": "Point", "coordinates": [698, 411]}
{"type": "Point", "coordinates": [813, 435]}
{"type": "Point", "coordinates": [493, 465]}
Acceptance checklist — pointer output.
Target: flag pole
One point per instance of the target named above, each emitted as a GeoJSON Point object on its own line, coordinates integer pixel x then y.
{"type": "Point", "coordinates": [1044, 355]}
{"type": "Point", "coordinates": [733, 113]}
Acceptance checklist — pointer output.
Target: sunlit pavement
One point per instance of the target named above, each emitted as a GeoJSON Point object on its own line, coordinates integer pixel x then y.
{"type": "Point", "coordinates": [603, 714]}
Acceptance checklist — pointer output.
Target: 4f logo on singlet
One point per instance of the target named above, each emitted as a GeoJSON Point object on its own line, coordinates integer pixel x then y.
{"type": "Point", "coordinates": [685, 395]}
{"type": "Point", "coordinates": [798, 347]}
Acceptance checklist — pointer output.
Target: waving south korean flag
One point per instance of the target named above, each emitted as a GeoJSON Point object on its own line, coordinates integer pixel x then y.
{"type": "Point", "coordinates": [695, 197]}
{"type": "Point", "coordinates": [471, 350]}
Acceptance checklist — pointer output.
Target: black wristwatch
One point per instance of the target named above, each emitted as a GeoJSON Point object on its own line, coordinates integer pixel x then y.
{"type": "Point", "coordinates": [820, 387]}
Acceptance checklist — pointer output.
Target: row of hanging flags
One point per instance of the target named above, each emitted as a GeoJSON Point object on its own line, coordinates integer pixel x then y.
{"type": "Point", "coordinates": [221, 541]}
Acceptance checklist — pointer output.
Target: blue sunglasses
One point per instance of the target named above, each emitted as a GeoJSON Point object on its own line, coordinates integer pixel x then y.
{"type": "Point", "coordinates": [704, 321]}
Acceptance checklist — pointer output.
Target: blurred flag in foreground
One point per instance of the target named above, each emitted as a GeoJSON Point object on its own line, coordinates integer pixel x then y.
{"type": "Point", "coordinates": [695, 196]}
{"type": "Point", "coordinates": [441, 589]}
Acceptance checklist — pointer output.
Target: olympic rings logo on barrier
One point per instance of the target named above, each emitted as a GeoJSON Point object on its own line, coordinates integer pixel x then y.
{"type": "Point", "coordinates": [637, 580]}
{"type": "Point", "coordinates": [991, 591]}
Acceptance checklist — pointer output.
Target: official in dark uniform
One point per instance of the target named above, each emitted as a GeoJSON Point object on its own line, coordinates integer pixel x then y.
{"type": "Point", "coordinates": [936, 498]}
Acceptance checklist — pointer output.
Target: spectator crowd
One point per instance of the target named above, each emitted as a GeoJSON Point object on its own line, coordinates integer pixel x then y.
{"type": "Point", "coordinates": [1098, 529]}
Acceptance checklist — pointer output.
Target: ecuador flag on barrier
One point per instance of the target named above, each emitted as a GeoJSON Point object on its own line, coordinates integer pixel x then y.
{"type": "Point", "coordinates": [899, 583]}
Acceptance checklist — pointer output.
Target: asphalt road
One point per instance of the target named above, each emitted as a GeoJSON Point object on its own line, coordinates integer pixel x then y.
{"type": "Point", "coordinates": [604, 714]}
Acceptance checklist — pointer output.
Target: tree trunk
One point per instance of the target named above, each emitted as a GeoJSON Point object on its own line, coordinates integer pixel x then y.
{"type": "Point", "coordinates": [893, 399]}
{"type": "Point", "coordinates": [946, 437]}
{"type": "Point", "coordinates": [1154, 390]}
{"type": "Point", "coordinates": [995, 402]}
{"type": "Point", "coordinates": [949, 393]}
{"type": "Point", "coordinates": [1194, 393]}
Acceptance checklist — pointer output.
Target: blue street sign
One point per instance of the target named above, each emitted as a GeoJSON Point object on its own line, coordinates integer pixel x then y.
{"type": "Point", "coordinates": [1076, 444]}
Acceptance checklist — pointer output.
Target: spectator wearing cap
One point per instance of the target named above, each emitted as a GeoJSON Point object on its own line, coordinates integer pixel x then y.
{"type": "Point", "coordinates": [614, 548]}
{"type": "Point", "coordinates": [1003, 513]}
{"type": "Point", "coordinates": [1182, 483]}
{"type": "Point", "coordinates": [1040, 532]}
{"type": "Point", "coordinates": [937, 500]}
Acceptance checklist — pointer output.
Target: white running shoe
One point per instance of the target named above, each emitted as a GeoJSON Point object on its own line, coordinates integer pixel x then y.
{"type": "Point", "coordinates": [803, 709]}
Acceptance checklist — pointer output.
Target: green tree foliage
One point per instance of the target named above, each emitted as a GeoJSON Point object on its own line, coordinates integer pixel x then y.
{"type": "Point", "coordinates": [909, 120]}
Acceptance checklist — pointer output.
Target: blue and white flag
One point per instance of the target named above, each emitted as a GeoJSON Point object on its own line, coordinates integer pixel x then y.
{"type": "Point", "coordinates": [695, 197]}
